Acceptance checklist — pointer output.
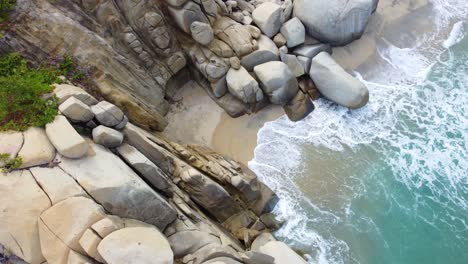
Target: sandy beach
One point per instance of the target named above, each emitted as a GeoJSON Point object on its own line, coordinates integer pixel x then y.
{"type": "Point", "coordinates": [196, 119]}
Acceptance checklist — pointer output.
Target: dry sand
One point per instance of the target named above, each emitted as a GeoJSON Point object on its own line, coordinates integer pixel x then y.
{"type": "Point", "coordinates": [196, 119]}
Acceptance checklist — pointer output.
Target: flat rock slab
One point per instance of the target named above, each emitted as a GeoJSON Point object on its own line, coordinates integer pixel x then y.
{"type": "Point", "coordinates": [145, 167]}
{"type": "Point", "coordinates": [37, 149]}
{"type": "Point", "coordinates": [65, 138]}
{"type": "Point", "coordinates": [21, 203]}
{"type": "Point", "coordinates": [120, 190]}
{"type": "Point", "coordinates": [69, 219]}
{"type": "Point", "coordinates": [10, 143]}
{"type": "Point", "coordinates": [57, 184]}
{"type": "Point", "coordinates": [143, 245]}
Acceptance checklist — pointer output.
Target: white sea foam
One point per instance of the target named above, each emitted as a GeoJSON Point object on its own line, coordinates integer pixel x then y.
{"type": "Point", "coordinates": [456, 35]}
{"type": "Point", "coordinates": [424, 128]}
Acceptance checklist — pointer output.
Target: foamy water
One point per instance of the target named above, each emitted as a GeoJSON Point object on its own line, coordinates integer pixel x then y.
{"type": "Point", "coordinates": [386, 183]}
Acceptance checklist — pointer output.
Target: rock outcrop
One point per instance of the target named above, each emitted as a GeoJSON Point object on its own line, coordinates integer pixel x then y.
{"type": "Point", "coordinates": [155, 202]}
{"type": "Point", "coordinates": [140, 47]}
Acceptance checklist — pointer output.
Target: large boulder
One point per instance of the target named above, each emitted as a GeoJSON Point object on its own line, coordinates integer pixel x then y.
{"type": "Point", "coordinates": [37, 149]}
{"type": "Point", "coordinates": [107, 136]}
{"type": "Point", "coordinates": [136, 245]}
{"type": "Point", "coordinates": [336, 22]}
{"type": "Point", "coordinates": [267, 16]}
{"type": "Point", "coordinates": [243, 86]}
{"type": "Point", "coordinates": [277, 81]}
{"type": "Point", "coordinates": [267, 51]}
{"type": "Point", "coordinates": [294, 32]}
{"type": "Point", "coordinates": [65, 138]}
{"type": "Point", "coordinates": [114, 185]}
{"type": "Point", "coordinates": [336, 84]}
{"type": "Point", "coordinates": [21, 203]}
{"type": "Point", "coordinates": [202, 32]}
{"type": "Point", "coordinates": [186, 15]}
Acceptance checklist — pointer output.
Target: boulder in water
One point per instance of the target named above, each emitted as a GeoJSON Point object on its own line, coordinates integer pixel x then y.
{"type": "Point", "coordinates": [336, 84]}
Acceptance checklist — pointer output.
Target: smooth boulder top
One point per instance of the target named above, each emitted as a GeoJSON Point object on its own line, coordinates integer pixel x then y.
{"type": "Point", "coordinates": [108, 114]}
{"type": "Point", "coordinates": [76, 110]}
{"type": "Point", "coordinates": [37, 148]}
{"type": "Point", "coordinates": [142, 245]}
{"type": "Point", "coordinates": [277, 81]}
{"type": "Point", "coordinates": [337, 22]}
{"type": "Point", "coordinates": [336, 84]}
{"type": "Point", "coordinates": [65, 138]}
{"type": "Point", "coordinates": [243, 86]}
{"type": "Point", "coordinates": [107, 136]}
{"type": "Point", "coordinates": [267, 51]}
{"type": "Point", "coordinates": [267, 16]}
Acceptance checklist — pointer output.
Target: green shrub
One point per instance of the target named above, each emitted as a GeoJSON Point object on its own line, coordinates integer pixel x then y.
{"type": "Point", "coordinates": [9, 163]}
{"type": "Point", "coordinates": [5, 7]}
{"type": "Point", "coordinates": [25, 98]}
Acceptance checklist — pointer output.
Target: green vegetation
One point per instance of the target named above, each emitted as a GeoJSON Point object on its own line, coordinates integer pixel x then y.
{"type": "Point", "coordinates": [24, 94]}
{"type": "Point", "coordinates": [9, 163]}
{"type": "Point", "coordinates": [5, 7]}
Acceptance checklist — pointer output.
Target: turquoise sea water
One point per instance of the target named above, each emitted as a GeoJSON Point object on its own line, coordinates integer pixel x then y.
{"type": "Point", "coordinates": [387, 183]}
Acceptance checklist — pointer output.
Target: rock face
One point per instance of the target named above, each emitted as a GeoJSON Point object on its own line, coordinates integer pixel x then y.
{"type": "Point", "coordinates": [114, 185]}
{"type": "Point", "coordinates": [136, 245]}
{"type": "Point", "coordinates": [137, 55]}
{"type": "Point", "coordinates": [22, 201]}
{"type": "Point", "coordinates": [277, 81]}
{"type": "Point", "coordinates": [334, 21]}
{"type": "Point", "coordinates": [336, 84]}
{"type": "Point", "coordinates": [37, 149]}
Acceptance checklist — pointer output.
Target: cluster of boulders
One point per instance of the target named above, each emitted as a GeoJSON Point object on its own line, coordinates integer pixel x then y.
{"type": "Point", "coordinates": [252, 53]}
{"type": "Point", "coordinates": [245, 53]}
{"type": "Point", "coordinates": [94, 188]}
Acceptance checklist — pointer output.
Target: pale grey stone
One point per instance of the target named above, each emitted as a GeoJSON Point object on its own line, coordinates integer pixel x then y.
{"type": "Point", "coordinates": [202, 32]}
{"type": "Point", "coordinates": [65, 138]}
{"type": "Point", "coordinates": [336, 84]}
{"type": "Point", "coordinates": [267, 51]}
{"type": "Point", "coordinates": [267, 16]}
{"type": "Point", "coordinates": [294, 32]}
{"type": "Point", "coordinates": [107, 136]}
{"type": "Point", "coordinates": [107, 114]}
{"type": "Point", "coordinates": [293, 63]}
{"type": "Point", "coordinates": [310, 51]}
{"type": "Point", "coordinates": [277, 81]}
{"type": "Point", "coordinates": [76, 110]}
{"type": "Point", "coordinates": [334, 21]}
{"type": "Point", "coordinates": [243, 86]}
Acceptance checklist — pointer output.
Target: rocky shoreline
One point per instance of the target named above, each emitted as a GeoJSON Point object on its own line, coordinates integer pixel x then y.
{"type": "Point", "coordinates": [106, 187]}
{"type": "Point", "coordinates": [119, 194]}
